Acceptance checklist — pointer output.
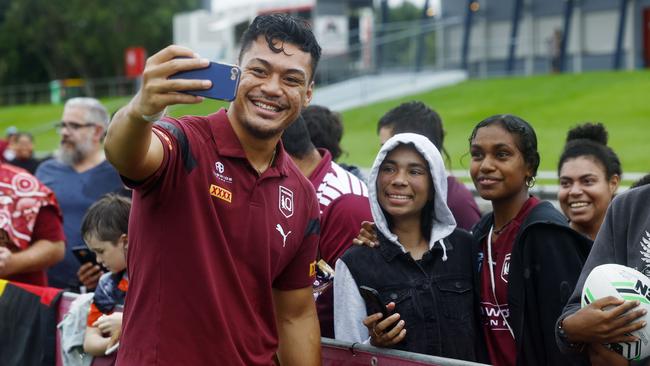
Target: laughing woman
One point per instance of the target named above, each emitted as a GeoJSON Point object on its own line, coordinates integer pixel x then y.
{"type": "Point", "coordinates": [589, 172]}
{"type": "Point", "coordinates": [424, 269]}
{"type": "Point", "coordinates": [531, 257]}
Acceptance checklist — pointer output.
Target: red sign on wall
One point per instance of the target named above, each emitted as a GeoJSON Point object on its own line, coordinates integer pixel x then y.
{"type": "Point", "coordinates": [134, 59]}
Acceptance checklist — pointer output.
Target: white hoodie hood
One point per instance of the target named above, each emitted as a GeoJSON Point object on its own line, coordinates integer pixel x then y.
{"type": "Point", "coordinates": [443, 220]}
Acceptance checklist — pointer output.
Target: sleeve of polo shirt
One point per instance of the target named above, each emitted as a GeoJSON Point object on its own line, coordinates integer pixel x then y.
{"type": "Point", "coordinates": [172, 136]}
{"type": "Point", "coordinates": [301, 271]}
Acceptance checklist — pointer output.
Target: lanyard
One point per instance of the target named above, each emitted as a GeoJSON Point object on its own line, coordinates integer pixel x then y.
{"type": "Point", "coordinates": [489, 248]}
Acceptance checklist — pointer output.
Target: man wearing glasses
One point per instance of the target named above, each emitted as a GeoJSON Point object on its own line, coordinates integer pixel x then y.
{"type": "Point", "coordinates": [79, 175]}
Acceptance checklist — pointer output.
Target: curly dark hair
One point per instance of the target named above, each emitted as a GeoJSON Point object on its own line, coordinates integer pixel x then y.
{"type": "Point", "coordinates": [590, 139]}
{"type": "Point", "coordinates": [282, 28]}
{"type": "Point", "coordinates": [325, 128]}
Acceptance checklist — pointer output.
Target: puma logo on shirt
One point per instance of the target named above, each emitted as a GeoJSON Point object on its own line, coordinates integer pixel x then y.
{"type": "Point", "coordinates": [284, 236]}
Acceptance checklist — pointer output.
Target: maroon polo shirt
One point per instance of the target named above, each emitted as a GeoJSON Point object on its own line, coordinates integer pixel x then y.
{"type": "Point", "coordinates": [208, 241]}
{"type": "Point", "coordinates": [343, 200]}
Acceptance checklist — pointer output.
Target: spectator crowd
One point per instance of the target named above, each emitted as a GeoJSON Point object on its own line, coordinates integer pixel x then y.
{"type": "Point", "coordinates": [238, 238]}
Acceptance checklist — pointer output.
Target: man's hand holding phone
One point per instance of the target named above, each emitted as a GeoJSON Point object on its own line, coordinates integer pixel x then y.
{"type": "Point", "coordinates": [159, 91]}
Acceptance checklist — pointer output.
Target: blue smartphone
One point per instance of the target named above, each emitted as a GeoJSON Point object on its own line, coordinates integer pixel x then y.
{"type": "Point", "coordinates": [224, 77]}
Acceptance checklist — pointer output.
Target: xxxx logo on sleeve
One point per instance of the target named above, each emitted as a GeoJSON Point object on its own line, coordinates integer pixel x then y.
{"type": "Point", "coordinates": [220, 193]}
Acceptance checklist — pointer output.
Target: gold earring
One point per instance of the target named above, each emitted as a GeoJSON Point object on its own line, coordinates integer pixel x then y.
{"type": "Point", "coordinates": [530, 182]}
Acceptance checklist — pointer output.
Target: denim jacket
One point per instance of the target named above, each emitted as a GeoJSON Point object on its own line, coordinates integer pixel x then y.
{"type": "Point", "coordinates": [437, 299]}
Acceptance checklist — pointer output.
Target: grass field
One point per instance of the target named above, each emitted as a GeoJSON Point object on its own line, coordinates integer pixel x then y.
{"type": "Point", "coordinates": [551, 103]}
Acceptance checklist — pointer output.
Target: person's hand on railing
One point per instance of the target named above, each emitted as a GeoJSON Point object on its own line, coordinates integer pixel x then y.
{"type": "Point", "coordinates": [387, 332]}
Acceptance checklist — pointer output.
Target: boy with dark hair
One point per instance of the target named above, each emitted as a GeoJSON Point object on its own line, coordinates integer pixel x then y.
{"type": "Point", "coordinates": [105, 230]}
{"type": "Point", "coordinates": [325, 131]}
{"type": "Point", "coordinates": [225, 227]}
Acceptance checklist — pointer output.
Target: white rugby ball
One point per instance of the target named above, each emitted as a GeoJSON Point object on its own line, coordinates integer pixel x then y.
{"type": "Point", "coordinates": [627, 284]}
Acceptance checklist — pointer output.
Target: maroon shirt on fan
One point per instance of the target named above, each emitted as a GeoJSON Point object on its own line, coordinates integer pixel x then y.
{"type": "Point", "coordinates": [500, 344]}
{"type": "Point", "coordinates": [343, 200]}
{"type": "Point", "coordinates": [208, 242]}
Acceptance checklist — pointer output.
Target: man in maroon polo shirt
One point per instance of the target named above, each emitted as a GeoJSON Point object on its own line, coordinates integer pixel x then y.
{"type": "Point", "coordinates": [224, 228]}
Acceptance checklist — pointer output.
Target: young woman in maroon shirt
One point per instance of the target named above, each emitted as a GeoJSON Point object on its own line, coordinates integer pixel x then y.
{"type": "Point", "coordinates": [531, 258]}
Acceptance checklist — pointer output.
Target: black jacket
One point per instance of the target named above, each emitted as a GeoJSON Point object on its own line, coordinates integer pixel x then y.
{"type": "Point", "coordinates": [437, 299]}
{"type": "Point", "coordinates": [545, 264]}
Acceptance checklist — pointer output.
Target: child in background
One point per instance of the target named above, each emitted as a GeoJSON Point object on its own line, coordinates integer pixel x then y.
{"type": "Point", "coordinates": [104, 229]}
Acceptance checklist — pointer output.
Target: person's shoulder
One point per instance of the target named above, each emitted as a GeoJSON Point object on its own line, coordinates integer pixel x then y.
{"type": "Point", "coordinates": [357, 252]}
{"type": "Point", "coordinates": [460, 234]}
{"type": "Point", "coordinates": [48, 166]}
{"type": "Point", "coordinates": [544, 213]}
{"type": "Point", "coordinates": [186, 127]}
{"type": "Point", "coordinates": [632, 197]}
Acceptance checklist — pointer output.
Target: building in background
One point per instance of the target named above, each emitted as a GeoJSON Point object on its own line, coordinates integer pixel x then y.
{"type": "Point", "coordinates": [524, 36]}
{"type": "Point", "coordinates": [342, 27]}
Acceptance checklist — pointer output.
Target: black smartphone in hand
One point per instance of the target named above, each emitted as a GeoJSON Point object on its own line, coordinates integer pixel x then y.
{"type": "Point", "coordinates": [224, 77]}
{"type": "Point", "coordinates": [84, 255]}
{"type": "Point", "coordinates": [373, 302]}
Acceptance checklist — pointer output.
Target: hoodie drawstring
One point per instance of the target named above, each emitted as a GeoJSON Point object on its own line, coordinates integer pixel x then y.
{"type": "Point", "coordinates": [444, 250]}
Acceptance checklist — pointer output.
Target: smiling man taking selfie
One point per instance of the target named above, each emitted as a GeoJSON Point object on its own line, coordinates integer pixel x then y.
{"type": "Point", "coordinates": [224, 227]}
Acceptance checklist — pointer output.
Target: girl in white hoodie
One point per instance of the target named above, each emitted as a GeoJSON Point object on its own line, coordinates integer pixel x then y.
{"type": "Point", "coordinates": [424, 269]}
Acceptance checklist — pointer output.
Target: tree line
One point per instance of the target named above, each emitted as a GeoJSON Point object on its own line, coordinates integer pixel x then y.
{"type": "Point", "coordinates": [43, 40]}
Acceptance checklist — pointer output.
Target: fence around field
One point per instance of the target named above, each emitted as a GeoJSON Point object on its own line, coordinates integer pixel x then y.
{"type": "Point", "coordinates": [334, 353]}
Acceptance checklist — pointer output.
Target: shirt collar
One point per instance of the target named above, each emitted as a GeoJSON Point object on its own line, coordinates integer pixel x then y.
{"type": "Point", "coordinates": [228, 144]}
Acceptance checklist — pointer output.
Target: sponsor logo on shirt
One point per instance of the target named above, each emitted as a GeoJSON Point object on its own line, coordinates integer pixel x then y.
{"type": "Point", "coordinates": [220, 193]}
{"type": "Point", "coordinates": [285, 202]}
{"type": "Point", "coordinates": [218, 172]}
{"type": "Point", "coordinates": [493, 315]}
{"type": "Point", "coordinates": [312, 269]}
{"type": "Point", "coordinates": [645, 253]}
{"type": "Point", "coordinates": [505, 269]}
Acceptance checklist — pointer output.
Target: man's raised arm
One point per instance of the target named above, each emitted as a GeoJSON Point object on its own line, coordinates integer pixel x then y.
{"type": "Point", "coordinates": [129, 144]}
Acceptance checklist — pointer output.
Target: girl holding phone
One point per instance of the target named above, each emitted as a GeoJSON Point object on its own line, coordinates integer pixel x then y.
{"type": "Point", "coordinates": [424, 269]}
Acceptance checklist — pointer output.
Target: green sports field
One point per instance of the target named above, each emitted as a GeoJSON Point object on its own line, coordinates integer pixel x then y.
{"type": "Point", "coordinates": [551, 103]}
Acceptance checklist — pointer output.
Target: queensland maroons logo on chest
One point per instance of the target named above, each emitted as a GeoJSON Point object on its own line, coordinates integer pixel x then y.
{"type": "Point", "coordinates": [285, 202]}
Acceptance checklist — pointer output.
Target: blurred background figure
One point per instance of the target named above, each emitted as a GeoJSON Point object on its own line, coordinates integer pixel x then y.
{"type": "Point", "coordinates": [589, 173]}
{"type": "Point", "coordinates": [326, 131]}
{"type": "Point", "coordinates": [23, 149]}
{"type": "Point", "coordinates": [6, 151]}
{"type": "Point", "coordinates": [79, 175]}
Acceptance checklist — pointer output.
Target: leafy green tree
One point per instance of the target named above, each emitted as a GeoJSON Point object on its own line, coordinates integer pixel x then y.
{"type": "Point", "coordinates": [42, 40]}
{"type": "Point", "coordinates": [402, 52]}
